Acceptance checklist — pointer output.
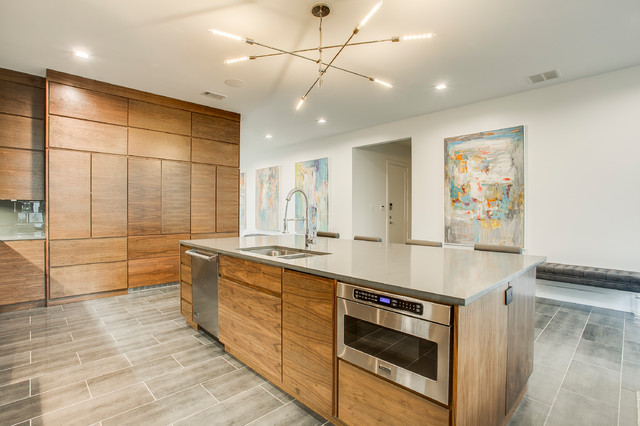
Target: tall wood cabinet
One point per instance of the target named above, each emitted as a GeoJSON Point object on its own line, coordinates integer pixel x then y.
{"type": "Point", "coordinates": [122, 183]}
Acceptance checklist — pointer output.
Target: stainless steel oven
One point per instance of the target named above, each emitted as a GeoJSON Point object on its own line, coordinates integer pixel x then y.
{"type": "Point", "coordinates": [400, 338]}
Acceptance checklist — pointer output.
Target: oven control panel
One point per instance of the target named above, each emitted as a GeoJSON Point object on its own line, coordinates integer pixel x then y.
{"type": "Point", "coordinates": [391, 302]}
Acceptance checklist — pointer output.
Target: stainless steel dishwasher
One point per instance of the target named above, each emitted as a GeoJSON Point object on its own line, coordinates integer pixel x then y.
{"type": "Point", "coordinates": [204, 273]}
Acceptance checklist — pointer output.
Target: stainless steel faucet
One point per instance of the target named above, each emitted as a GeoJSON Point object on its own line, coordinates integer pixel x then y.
{"type": "Point", "coordinates": [309, 235]}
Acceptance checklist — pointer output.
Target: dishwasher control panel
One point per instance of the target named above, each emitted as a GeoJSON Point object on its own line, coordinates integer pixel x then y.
{"type": "Point", "coordinates": [391, 302]}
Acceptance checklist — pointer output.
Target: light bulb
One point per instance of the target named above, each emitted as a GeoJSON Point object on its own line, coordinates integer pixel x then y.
{"type": "Point", "coordinates": [418, 36]}
{"type": "Point", "coordinates": [441, 86]}
{"type": "Point", "coordinates": [382, 83]}
{"type": "Point", "coordinates": [223, 34]}
{"type": "Point", "coordinates": [321, 120]}
{"type": "Point", "coordinates": [231, 61]}
{"type": "Point", "coordinates": [366, 18]}
{"type": "Point", "coordinates": [268, 136]}
{"type": "Point", "coordinates": [81, 54]}
{"type": "Point", "coordinates": [300, 103]}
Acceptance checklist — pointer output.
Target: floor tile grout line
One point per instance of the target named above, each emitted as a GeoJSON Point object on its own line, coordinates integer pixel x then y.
{"type": "Point", "coordinates": [86, 383]}
{"type": "Point", "coordinates": [266, 414]}
{"type": "Point", "coordinates": [207, 391]}
{"type": "Point", "coordinates": [145, 385]}
{"type": "Point", "coordinates": [567, 370]}
{"type": "Point", "coordinates": [624, 326]}
{"type": "Point", "coordinates": [548, 322]}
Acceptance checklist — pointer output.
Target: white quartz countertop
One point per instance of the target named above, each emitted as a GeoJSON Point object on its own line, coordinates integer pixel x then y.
{"type": "Point", "coordinates": [448, 275]}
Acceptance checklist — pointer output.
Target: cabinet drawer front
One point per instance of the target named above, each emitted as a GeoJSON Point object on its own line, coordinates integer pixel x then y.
{"type": "Point", "coordinates": [213, 152]}
{"type": "Point", "coordinates": [186, 309]}
{"type": "Point", "coordinates": [21, 271]}
{"type": "Point", "coordinates": [80, 252]}
{"type": "Point", "coordinates": [185, 259]}
{"type": "Point", "coordinates": [149, 143]}
{"type": "Point", "coordinates": [250, 324]}
{"type": "Point", "coordinates": [145, 247]}
{"type": "Point", "coordinates": [185, 274]}
{"type": "Point", "coordinates": [145, 115]}
{"type": "Point", "coordinates": [366, 399]}
{"type": "Point", "coordinates": [86, 279]}
{"type": "Point", "coordinates": [20, 99]}
{"type": "Point", "coordinates": [219, 129]}
{"type": "Point", "coordinates": [186, 292]}
{"type": "Point", "coordinates": [21, 174]}
{"type": "Point", "coordinates": [85, 135]}
{"type": "Point", "coordinates": [21, 132]}
{"type": "Point", "coordinates": [262, 276]}
{"type": "Point", "coordinates": [87, 104]}
{"type": "Point", "coordinates": [153, 271]}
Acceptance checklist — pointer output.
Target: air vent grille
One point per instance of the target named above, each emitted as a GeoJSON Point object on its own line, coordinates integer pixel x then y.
{"type": "Point", "coordinates": [213, 95]}
{"type": "Point", "coordinates": [544, 76]}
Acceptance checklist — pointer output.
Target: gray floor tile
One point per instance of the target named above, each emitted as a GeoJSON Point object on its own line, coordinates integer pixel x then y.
{"type": "Point", "coordinates": [33, 406]}
{"type": "Point", "coordinates": [71, 348]}
{"type": "Point", "coordinates": [275, 391]}
{"type": "Point", "coordinates": [632, 331]}
{"type": "Point", "coordinates": [630, 375]}
{"type": "Point", "coordinates": [140, 356]}
{"type": "Point", "coordinates": [37, 369]}
{"type": "Point", "coordinates": [136, 329]}
{"type": "Point", "coordinates": [293, 413]}
{"type": "Point", "coordinates": [631, 351]}
{"type": "Point", "coordinates": [125, 377]}
{"type": "Point", "coordinates": [153, 319]}
{"type": "Point", "coordinates": [14, 392]}
{"type": "Point", "coordinates": [173, 334]}
{"type": "Point", "coordinates": [94, 354]}
{"type": "Point", "coordinates": [204, 337]}
{"type": "Point", "coordinates": [599, 354]}
{"type": "Point", "coordinates": [233, 361]}
{"type": "Point", "coordinates": [568, 306]}
{"type": "Point", "coordinates": [593, 382]}
{"type": "Point", "coordinates": [78, 373]}
{"type": "Point", "coordinates": [239, 410]}
{"type": "Point", "coordinates": [21, 336]}
{"type": "Point", "coordinates": [573, 409]}
{"type": "Point", "coordinates": [530, 413]}
{"type": "Point", "coordinates": [606, 335]}
{"type": "Point", "coordinates": [14, 360]}
{"type": "Point", "coordinates": [560, 333]}
{"type": "Point", "coordinates": [230, 384]}
{"type": "Point", "coordinates": [629, 408]}
{"type": "Point", "coordinates": [74, 327]}
{"type": "Point", "coordinates": [541, 320]}
{"type": "Point", "coordinates": [97, 409]}
{"type": "Point", "coordinates": [552, 355]}
{"type": "Point", "coordinates": [607, 318]}
{"type": "Point", "coordinates": [544, 384]}
{"type": "Point", "coordinates": [31, 345]}
{"type": "Point", "coordinates": [187, 377]}
{"type": "Point", "coordinates": [199, 354]}
{"type": "Point", "coordinates": [166, 410]}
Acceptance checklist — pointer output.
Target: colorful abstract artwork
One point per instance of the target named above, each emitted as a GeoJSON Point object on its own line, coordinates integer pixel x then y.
{"type": "Point", "coordinates": [243, 202]}
{"type": "Point", "coordinates": [484, 188]}
{"type": "Point", "coordinates": [313, 177]}
{"type": "Point", "coordinates": [267, 193]}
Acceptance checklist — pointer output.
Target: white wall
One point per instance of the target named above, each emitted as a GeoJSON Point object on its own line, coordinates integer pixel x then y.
{"type": "Point", "coordinates": [582, 183]}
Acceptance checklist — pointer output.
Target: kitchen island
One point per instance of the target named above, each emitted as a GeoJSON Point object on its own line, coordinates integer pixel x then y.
{"type": "Point", "coordinates": [279, 316]}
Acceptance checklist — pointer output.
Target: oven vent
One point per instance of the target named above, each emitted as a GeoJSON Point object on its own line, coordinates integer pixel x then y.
{"type": "Point", "coordinates": [544, 76]}
{"type": "Point", "coordinates": [213, 95]}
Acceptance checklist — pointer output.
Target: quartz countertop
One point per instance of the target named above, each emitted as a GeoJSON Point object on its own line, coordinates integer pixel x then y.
{"type": "Point", "coordinates": [448, 275]}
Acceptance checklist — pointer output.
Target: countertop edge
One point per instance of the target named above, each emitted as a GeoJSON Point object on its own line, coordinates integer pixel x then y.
{"type": "Point", "coordinates": [282, 263]}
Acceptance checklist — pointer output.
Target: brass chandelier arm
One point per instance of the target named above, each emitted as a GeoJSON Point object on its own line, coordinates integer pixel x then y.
{"type": "Point", "coordinates": [293, 53]}
{"type": "Point", "coordinates": [321, 47]}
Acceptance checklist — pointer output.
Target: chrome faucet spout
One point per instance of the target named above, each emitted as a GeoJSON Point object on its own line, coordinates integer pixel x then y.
{"type": "Point", "coordinates": [309, 237]}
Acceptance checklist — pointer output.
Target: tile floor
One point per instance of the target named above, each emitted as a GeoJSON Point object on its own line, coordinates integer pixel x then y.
{"type": "Point", "coordinates": [132, 360]}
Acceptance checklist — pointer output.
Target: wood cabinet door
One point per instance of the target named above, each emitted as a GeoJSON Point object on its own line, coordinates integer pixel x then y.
{"type": "Point", "coordinates": [21, 271]}
{"type": "Point", "coordinates": [203, 198]}
{"type": "Point", "coordinates": [520, 336]}
{"type": "Point", "coordinates": [109, 195]}
{"type": "Point", "coordinates": [227, 199]}
{"type": "Point", "coordinates": [176, 206]}
{"type": "Point", "coordinates": [308, 339]}
{"type": "Point", "coordinates": [251, 327]}
{"type": "Point", "coordinates": [21, 174]}
{"type": "Point", "coordinates": [69, 194]}
{"type": "Point", "coordinates": [145, 196]}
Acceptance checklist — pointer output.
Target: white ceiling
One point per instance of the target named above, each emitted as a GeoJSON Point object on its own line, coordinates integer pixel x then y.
{"type": "Point", "coordinates": [483, 49]}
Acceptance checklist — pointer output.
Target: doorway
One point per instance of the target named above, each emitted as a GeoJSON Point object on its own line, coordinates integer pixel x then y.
{"type": "Point", "coordinates": [397, 202]}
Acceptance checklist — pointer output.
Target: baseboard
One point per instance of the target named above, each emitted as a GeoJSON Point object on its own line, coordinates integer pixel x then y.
{"type": "Point", "coordinates": [586, 295]}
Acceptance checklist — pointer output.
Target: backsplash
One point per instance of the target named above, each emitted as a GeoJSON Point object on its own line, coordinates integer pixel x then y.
{"type": "Point", "coordinates": [21, 219]}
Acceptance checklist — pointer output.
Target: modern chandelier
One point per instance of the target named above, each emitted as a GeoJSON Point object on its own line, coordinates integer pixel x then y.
{"type": "Point", "coordinates": [321, 10]}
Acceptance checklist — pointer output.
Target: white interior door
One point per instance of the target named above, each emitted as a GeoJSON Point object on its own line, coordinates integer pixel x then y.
{"type": "Point", "coordinates": [397, 202]}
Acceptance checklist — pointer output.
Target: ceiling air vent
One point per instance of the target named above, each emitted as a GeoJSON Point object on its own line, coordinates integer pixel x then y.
{"type": "Point", "coordinates": [213, 95]}
{"type": "Point", "coordinates": [544, 76]}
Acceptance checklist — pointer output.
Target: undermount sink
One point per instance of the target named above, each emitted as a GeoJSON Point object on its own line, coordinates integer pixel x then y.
{"type": "Point", "coordinates": [283, 252]}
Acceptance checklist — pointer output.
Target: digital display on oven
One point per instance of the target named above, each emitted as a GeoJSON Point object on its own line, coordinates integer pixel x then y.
{"type": "Point", "coordinates": [385, 300]}
{"type": "Point", "coordinates": [391, 302]}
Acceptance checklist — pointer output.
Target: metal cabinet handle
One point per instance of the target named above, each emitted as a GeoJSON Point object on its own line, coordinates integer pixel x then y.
{"type": "Point", "coordinates": [200, 255]}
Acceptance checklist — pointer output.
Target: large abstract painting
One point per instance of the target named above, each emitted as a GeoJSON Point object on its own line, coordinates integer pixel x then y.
{"type": "Point", "coordinates": [243, 202]}
{"type": "Point", "coordinates": [484, 188]}
{"type": "Point", "coordinates": [267, 193]}
{"type": "Point", "coordinates": [313, 177]}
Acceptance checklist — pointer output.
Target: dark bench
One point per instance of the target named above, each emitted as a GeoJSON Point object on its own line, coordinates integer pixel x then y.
{"type": "Point", "coordinates": [587, 275]}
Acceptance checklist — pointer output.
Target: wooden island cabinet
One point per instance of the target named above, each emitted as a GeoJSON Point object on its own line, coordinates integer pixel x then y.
{"type": "Point", "coordinates": [282, 323]}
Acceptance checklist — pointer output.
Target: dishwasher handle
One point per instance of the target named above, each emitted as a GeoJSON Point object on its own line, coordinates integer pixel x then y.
{"type": "Point", "coordinates": [194, 253]}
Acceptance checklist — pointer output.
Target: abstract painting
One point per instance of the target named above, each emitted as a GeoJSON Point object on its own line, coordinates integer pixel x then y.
{"type": "Point", "coordinates": [243, 202]}
{"type": "Point", "coordinates": [484, 188]}
{"type": "Point", "coordinates": [267, 193]}
{"type": "Point", "coordinates": [313, 177]}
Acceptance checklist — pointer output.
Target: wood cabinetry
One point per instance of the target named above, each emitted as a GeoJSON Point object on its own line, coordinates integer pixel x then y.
{"type": "Point", "coordinates": [213, 152]}
{"type": "Point", "coordinates": [21, 132]}
{"type": "Point", "coordinates": [83, 135]}
{"type": "Point", "coordinates": [149, 143]}
{"type": "Point", "coordinates": [186, 287]}
{"type": "Point", "coordinates": [78, 280]}
{"type": "Point", "coordinates": [21, 174]}
{"type": "Point", "coordinates": [69, 194]}
{"type": "Point", "coordinates": [24, 98]}
{"type": "Point", "coordinates": [215, 128]}
{"type": "Point", "coordinates": [162, 118]}
{"type": "Point", "coordinates": [250, 326]}
{"type": "Point", "coordinates": [365, 399]}
{"type": "Point", "coordinates": [227, 199]}
{"type": "Point", "coordinates": [108, 195]}
{"type": "Point", "coordinates": [203, 198]}
{"type": "Point", "coordinates": [308, 339]}
{"type": "Point", "coordinates": [22, 273]}
{"type": "Point", "coordinates": [176, 197]}
{"type": "Point", "coordinates": [69, 101]}
{"type": "Point", "coordinates": [145, 196]}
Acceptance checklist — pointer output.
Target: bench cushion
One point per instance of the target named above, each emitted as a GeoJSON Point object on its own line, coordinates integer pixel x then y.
{"type": "Point", "coordinates": [589, 275]}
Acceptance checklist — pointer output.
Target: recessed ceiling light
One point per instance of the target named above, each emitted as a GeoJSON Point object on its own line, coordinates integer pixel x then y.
{"type": "Point", "coordinates": [441, 86]}
{"type": "Point", "coordinates": [81, 54]}
{"type": "Point", "coordinates": [321, 120]}
{"type": "Point", "coordinates": [234, 83]}
{"type": "Point", "coordinates": [268, 136]}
